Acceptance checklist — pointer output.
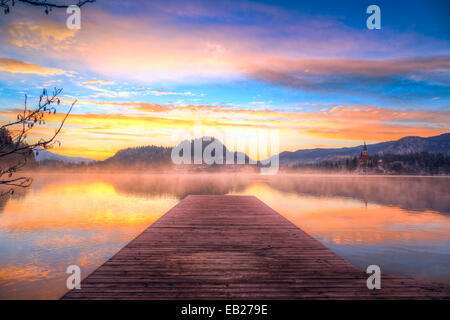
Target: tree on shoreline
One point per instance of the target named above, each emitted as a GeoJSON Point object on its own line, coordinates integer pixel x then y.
{"type": "Point", "coordinates": [15, 150]}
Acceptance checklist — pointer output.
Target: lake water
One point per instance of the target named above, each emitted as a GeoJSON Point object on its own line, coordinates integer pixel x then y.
{"type": "Point", "coordinates": [401, 224]}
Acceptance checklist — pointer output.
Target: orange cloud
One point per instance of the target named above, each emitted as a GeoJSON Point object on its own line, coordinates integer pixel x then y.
{"type": "Point", "coordinates": [370, 68]}
{"type": "Point", "coordinates": [178, 52]}
{"type": "Point", "coordinates": [144, 106]}
{"type": "Point", "coordinates": [41, 34]}
{"type": "Point", "coordinates": [17, 66]}
{"type": "Point", "coordinates": [98, 81]}
{"type": "Point", "coordinates": [168, 93]}
{"type": "Point", "coordinates": [132, 51]}
{"type": "Point", "coordinates": [99, 135]}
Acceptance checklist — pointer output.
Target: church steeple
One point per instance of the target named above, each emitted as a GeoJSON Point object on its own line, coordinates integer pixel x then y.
{"type": "Point", "coordinates": [364, 159]}
{"type": "Point", "coordinates": [364, 152]}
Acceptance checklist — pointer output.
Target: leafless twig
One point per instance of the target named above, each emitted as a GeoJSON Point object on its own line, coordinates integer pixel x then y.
{"type": "Point", "coordinates": [7, 4]}
{"type": "Point", "coordinates": [15, 151]}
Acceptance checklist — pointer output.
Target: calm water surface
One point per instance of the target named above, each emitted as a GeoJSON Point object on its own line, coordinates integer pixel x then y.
{"type": "Point", "coordinates": [401, 224]}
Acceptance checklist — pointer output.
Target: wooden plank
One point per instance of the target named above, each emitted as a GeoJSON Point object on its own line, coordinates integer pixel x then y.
{"type": "Point", "coordinates": [235, 247]}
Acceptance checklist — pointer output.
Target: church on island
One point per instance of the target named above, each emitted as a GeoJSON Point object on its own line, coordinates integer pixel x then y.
{"type": "Point", "coordinates": [364, 160]}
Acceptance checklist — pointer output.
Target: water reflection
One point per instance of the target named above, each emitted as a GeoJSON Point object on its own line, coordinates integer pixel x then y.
{"type": "Point", "coordinates": [399, 223]}
{"type": "Point", "coordinates": [410, 193]}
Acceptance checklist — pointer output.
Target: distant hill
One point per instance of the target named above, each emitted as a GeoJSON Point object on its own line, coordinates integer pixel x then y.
{"type": "Point", "coordinates": [141, 156]}
{"type": "Point", "coordinates": [157, 155]}
{"type": "Point", "coordinates": [161, 156]}
{"type": "Point", "coordinates": [406, 145]}
{"type": "Point", "coordinates": [42, 155]}
{"type": "Point", "coordinates": [206, 141]}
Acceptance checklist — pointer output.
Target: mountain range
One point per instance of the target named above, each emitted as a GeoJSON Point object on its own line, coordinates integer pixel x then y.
{"type": "Point", "coordinates": [41, 155]}
{"type": "Point", "coordinates": [406, 145]}
{"type": "Point", "coordinates": [155, 155]}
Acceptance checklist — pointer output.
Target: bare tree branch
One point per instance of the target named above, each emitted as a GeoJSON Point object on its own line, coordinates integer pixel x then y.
{"type": "Point", "coordinates": [15, 150]}
{"type": "Point", "coordinates": [7, 4]}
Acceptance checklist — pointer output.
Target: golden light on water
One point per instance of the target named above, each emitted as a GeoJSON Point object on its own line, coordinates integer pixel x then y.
{"type": "Point", "coordinates": [72, 204]}
{"type": "Point", "coordinates": [83, 219]}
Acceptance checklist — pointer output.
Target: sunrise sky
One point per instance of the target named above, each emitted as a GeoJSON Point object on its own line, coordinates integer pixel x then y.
{"type": "Point", "coordinates": [311, 69]}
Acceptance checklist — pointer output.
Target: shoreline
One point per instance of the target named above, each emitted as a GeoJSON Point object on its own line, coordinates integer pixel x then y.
{"type": "Point", "coordinates": [283, 173]}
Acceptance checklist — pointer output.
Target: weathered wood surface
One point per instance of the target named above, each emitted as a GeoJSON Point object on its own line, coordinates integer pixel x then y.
{"type": "Point", "coordinates": [235, 247]}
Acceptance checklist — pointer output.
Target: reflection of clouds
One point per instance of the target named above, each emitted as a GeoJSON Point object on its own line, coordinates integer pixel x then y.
{"type": "Point", "coordinates": [425, 260]}
{"type": "Point", "coordinates": [64, 221]}
{"type": "Point", "coordinates": [179, 186]}
{"type": "Point", "coordinates": [83, 219]}
{"type": "Point", "coordinates": [405, 243]}
{"type": "Point", "coordinates": [342, 220]}
{"type": "Point", "coordinates": [71, 240]}
{"type": "Point", "coordinates": [41, 271]}
{"type": "Point", "coordinates": [45, 277]}
{"type": "Point", "coordinates": [19, 193]}
{"type": "Point", "coordinates": [374, 225]}
{"type": "Point", "coordinates": [10, 274]}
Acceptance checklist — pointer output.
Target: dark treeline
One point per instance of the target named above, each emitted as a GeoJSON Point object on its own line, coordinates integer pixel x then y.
{"type": "Point", "coordinates": [14, 155]}
{"type": "Point", "coordinates": [141, 155]}
{"type": "Point", "coordinates": [58, 164]}
{"type": "Point", "coordinates": [423, 163]}
{"type": "Point", "coordinates": [414, 163]}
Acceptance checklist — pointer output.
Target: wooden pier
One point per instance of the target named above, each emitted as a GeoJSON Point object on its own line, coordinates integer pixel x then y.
{"type": "Point", "coordinates": [235, 247]}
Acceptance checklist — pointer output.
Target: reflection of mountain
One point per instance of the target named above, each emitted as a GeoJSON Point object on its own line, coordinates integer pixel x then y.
{"type": "Point", "coordinates": [407, 145]}
{"type": "Point", "coordinates": [178, 186]}
{"type": "Point", "coordinates": [410, 193]}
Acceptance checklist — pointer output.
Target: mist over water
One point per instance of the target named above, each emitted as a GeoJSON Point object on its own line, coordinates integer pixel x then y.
{"type": "Point", "coordinates": [401, 224]}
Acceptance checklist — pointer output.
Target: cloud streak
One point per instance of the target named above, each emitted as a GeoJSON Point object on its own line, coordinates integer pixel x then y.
{"type": "Point", "coordinates": [429, 76]}
{"type": "Point", "coordinates": [16, 66]}
{"type": "Point", "coordinates": [148, 123]}
{"type": "Point", "coordinates": [96, 81]}
{"type": "Point", "coordinates": [192, 51]}
{"type": "Point", "coordinates": [262, 59]}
